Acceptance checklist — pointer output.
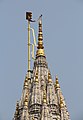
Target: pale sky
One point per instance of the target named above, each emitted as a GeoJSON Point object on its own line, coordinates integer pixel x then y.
{"type": "Point", "coordinates": [63, 41]}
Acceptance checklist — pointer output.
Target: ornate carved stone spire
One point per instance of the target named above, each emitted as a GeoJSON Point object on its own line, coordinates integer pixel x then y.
{"type": "Point", "coordinates": [41, 99]}
{"type": "Point", "coordinates": [40, 51]}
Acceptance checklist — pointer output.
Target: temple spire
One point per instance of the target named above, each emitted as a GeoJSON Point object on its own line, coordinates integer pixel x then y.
{"type": "Point", "coordinates": [40, 51]}
{"type": "Point", "coordinates": [41, 99]}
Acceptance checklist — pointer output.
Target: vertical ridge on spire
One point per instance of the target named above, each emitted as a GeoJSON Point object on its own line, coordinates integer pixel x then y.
{"type": "Point", "coordinates": [24, 112]}
{"type": "Point", "coordinates": [26, 82]}
{"type": "Point", "coordinates": [36, 76]}
{"type": "Point", "coordinates": [26, 100]}
{"type": "Point", "coordinates": [16, 115]}
{"type": "Point", "coordinates": [61, 102]}
{"type": "Point", "coordinates": [49, 77]}
{"type": "Point", "coordinates": [44, 96]}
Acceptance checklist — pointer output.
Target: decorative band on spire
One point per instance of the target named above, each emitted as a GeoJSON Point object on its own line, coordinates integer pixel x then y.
{"type": "Point", "coordinates": [40, 51]}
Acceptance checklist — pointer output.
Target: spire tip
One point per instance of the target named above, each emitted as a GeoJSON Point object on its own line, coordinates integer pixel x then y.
{"type": "Point", "coordinates": [40, 51]}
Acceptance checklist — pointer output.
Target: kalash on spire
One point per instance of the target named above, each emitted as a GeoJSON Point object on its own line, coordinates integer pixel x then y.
{"type": "Point", "coordinates": [41, 99]}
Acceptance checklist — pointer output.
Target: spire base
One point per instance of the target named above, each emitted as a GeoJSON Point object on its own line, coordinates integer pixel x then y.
{"type": "Point", "coordinates": [40, 52]}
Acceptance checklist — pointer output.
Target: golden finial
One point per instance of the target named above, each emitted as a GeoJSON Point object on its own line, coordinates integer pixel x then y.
{"type": "Point", "coordinates": [44, 96]}
{"type": "Point", "coordinates": [40, 36]}
{"type": "Point", "coordinates": [26, 100]}
{"type": "Point", "coordinates": [49, 77]}
{"type": "Point", "coordinates": [57, 82]}
{"type": "Point", "coordinates": [61, 102]}
{"type": "Point", "coordinates": [40, 46]}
